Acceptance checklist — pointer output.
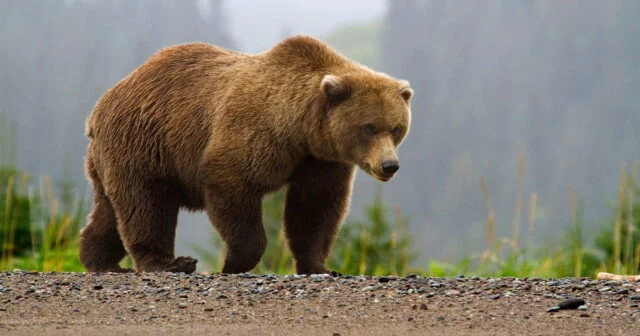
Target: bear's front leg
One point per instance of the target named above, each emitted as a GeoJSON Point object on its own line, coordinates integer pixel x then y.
{"type": "Point", "coordinates": [316, 204]}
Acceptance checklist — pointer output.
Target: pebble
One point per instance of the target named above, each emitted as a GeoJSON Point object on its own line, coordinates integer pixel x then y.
{"type": "Point", "coordinates": [368, 289]}
{"type": "Point", "coordinates": [553, 309]}
{"type": "Point", "coordinates": [208, 309]}
{"type": "Point", "coordinates": [583, 307]}
{"type": "Point", "coordinates": [183, 305]}
{"type": "Point", "coordinates": [634, 298]}
{"type": "Point", "coordinates": [259, 290]}
{"type": "Point", "coordinates": [571, 303]}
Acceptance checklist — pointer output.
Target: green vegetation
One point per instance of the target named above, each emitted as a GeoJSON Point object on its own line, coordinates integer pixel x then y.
{"type": "Point", "coordinates": [39, 227]}
{"type": "Point", "coordinates": [615, 248]}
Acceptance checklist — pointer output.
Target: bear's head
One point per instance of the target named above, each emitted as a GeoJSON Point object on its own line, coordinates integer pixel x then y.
{"type": "Point", "coordinates": [368, 117]}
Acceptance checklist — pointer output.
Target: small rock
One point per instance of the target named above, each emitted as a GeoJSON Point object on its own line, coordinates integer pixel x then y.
{"type": "Point", "coordinates": [623, 291]}
{"type": "Point", "coordinates": [571, 303]}
{"type": "Point", "coordinates": [583, 307]}
{"type": "Point", "coordinates": [368, 289]}
{"type": "Point", "coordinates": [258, 290]}
{"type": "Point", "coordinates": [605, 289]}
{"type": "Point", "coordinates": [553, 309]}
{"type": "Point", "coordinates": [221, 296]}
{"type": "Point", "coordinates": [584, 315]}
{"type": "Point", "coordinates": [423, 306]}
{"type": "Point", "coordinates": [385, 279]}
{"type": "Point", "coordinates": [208, 309]}
{"type": "Point", "coordinates": [452, 292]}
{"type": "Point", "coordinates": [494, 296]}
{"type": "Point", "coordinates": [634, 298]}
{"type": "Point", "coordinates": [97, 287]}
{"type": "Point", "coordinates": [183, 305]}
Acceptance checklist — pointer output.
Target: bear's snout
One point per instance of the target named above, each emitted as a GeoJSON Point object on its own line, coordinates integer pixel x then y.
{"type": "Point", "coordinates": [389, 168]}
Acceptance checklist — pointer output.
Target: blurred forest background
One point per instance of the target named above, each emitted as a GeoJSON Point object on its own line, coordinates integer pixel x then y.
{"type": "Point", "coordinates": [531, 96]}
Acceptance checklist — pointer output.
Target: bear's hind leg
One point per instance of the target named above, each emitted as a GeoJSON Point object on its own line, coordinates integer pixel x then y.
{"type": "Point", "coordinates": [101, 248]}
{"type": "Point", "coordinates": [148, 214]}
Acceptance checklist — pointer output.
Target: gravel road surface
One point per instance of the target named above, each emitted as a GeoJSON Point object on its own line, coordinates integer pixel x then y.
{"type": "Point", "coordinates": [245, 304]}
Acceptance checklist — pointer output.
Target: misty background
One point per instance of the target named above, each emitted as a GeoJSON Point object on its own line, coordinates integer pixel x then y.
{"type": "Point", "coordinates": [557, 82]}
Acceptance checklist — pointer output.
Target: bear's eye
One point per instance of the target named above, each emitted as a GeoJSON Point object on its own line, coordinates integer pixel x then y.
{"type": "Point", "coordinates": [395, 132]}
{"type": "Point", "coordinates": [369, 129]}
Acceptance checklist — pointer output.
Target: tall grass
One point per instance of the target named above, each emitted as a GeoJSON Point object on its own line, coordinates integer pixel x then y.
{"type": "Point", "coordinates": [38, 231]}
{"type": "Point", "coordinates": [615, 249]}
{"type": "Point", "coordinates": [620, 240]}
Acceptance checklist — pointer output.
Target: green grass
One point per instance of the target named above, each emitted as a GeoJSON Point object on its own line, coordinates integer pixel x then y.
{"type": "Point", "coordinates": [39, 232]}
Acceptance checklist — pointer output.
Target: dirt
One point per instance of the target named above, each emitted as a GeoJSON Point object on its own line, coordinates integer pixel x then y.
{"type": "Point", "coordinates": [165, 303]}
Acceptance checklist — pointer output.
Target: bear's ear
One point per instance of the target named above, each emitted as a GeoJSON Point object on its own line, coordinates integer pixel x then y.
{"type": "Point", "coordinates": [335, 88]}
{"type": "Point", "coordinates": [405, 90]}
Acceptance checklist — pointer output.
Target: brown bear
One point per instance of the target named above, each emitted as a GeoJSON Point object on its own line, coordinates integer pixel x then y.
{"type": "Point", "coordinates": [202, 127]}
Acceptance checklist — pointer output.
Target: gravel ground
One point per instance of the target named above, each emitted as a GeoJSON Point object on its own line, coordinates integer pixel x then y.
{"type": "Point", "coordinates": [165, 303]}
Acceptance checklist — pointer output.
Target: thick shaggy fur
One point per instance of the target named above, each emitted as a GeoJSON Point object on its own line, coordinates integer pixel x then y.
{"type": "Point", "coordinates": [201, 127]}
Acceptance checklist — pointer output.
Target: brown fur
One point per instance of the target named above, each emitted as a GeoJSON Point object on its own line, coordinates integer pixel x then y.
{"type": "Point", "coordinates": [201, 127]}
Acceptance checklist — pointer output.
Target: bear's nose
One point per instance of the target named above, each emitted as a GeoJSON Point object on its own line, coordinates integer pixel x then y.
{"type": "Point", "coordinates": [390, 167]}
